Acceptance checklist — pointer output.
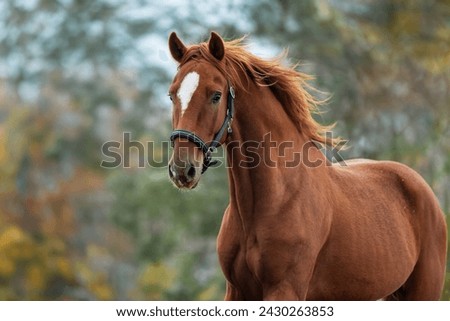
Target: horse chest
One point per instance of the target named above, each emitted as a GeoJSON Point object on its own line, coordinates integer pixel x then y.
{"type": "Point", "coordinates": [242, 272]}
{"type": "Point", "coordinates": [240, 263]}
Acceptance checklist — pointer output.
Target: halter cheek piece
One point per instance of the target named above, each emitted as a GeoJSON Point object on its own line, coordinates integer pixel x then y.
{"type": "Point", "coordinates": [208, 149]}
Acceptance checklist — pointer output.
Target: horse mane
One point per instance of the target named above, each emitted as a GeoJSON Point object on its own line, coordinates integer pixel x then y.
{"type": "Point", "coordinates": [287, 84]}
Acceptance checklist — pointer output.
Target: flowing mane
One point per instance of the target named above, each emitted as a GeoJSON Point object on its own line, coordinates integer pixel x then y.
{"type": "Point", "coordinates": [287, 84]}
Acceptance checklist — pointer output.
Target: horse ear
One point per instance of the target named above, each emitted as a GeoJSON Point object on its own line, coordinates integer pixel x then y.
{"type": "Point", "coordinates": [216, 46]}
{"type": "Point", "coordinates": [177, 48]}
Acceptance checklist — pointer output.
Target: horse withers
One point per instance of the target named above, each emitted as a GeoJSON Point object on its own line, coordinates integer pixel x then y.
{"type": "Point", "coordinates": [297, 227]}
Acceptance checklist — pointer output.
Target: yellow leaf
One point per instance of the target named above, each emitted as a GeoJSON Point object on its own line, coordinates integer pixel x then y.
{"type": "Point", "coordinates": [7, 267]}
{"type": "Point", "coordinates": [155, 279]}
{"type": "Point", "coordinates": [210, 293]}
{"type": "Point", "coordinates": [11, 236]}
{"type": "Point", "coordinates": [102, 291]}
{"type": "Point", "coordinates": [157, 274]}
{"type": "Point", "coordinates": [36, 278]}
{"type": "Point", "coordinates": [64, 268]}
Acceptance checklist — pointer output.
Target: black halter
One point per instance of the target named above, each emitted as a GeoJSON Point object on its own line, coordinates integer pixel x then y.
{"type": "Point", "coordinates": [205, 148]}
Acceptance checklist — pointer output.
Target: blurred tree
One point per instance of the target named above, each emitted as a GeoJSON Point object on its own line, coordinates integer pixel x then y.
{"type": "Point", "coordinates": [171, 228]}
{"type": "Point", "coordinates": [80, 49]}
{"type": "Point", "coordinates": [37, 218]}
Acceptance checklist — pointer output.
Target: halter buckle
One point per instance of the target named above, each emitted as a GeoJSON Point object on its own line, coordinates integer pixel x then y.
{"type": "Point", "coordinates": [229, 129]}
{"type": "Point", "coordinates": [232, 92]}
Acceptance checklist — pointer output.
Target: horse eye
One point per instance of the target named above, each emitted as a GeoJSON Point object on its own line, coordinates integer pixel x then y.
{"type": "Point", "coordinates": [216, 97]}
{"type": "Point", "coordinates": [170, 96]}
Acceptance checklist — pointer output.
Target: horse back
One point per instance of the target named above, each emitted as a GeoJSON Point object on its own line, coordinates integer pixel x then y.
{"type": "Point", "coordinates": [398, 181]}
{"type": "Point", "coordinates": [397, 189]}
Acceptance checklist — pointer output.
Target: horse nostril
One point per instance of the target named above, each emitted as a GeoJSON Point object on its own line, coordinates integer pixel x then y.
{"type": "Point", "coordinates": [191, 172]}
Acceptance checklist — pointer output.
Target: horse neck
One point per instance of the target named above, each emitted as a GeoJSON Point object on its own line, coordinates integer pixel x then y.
{"type": "Point", "coordinates": [265, 152]}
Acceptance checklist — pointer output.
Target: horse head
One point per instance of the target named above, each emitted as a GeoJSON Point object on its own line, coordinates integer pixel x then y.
{"type": "Point", "coordinates": [202, 112]}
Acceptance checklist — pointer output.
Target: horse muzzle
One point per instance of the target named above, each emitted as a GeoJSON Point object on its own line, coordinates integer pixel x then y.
{"type": "Point", "coordinates": [185, 174]}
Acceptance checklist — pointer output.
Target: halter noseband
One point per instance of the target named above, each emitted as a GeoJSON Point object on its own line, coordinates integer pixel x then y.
{"type": "Point", "coordinates": [205, 148]}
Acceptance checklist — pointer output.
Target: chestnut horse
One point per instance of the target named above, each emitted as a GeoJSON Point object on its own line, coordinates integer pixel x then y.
{"type": "Point", "coordinates": [297, 227]}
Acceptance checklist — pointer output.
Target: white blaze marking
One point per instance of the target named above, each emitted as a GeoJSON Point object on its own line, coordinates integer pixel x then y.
{"type": "Point", "coordinates": [187, 89]}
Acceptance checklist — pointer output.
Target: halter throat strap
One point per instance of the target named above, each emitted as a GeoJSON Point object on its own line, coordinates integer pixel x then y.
{"type": "Point", "coordinates": [208, 149]}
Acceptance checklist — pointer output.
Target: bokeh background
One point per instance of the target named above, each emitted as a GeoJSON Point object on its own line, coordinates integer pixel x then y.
{"type": "Point", "coordinates": [75, 74]}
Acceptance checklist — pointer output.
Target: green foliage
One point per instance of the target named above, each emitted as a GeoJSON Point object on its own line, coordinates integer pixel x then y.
{"type": "Point", "coordinates": [171, 226]}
